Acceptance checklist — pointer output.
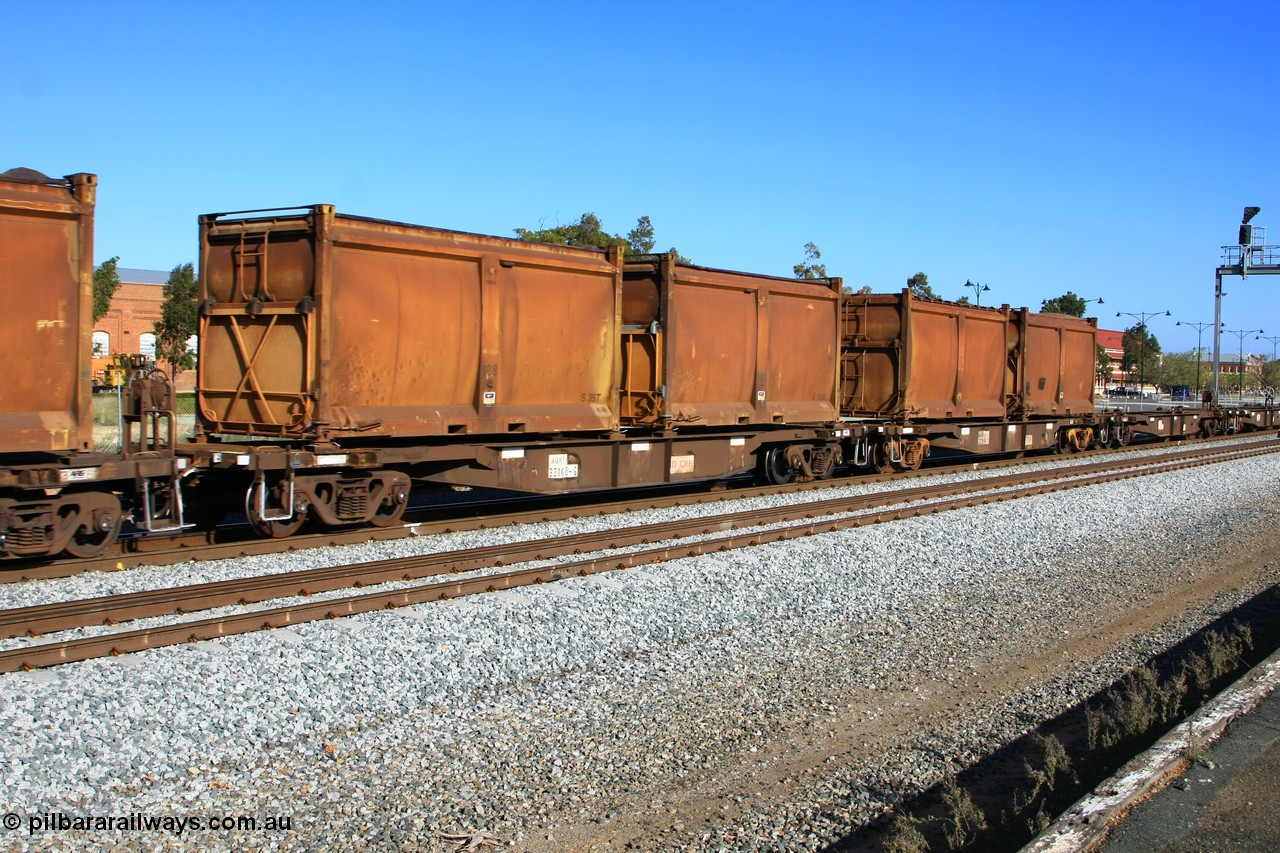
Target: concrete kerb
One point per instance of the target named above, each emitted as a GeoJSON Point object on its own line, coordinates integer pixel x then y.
{"type": "Point", "coordinates": [1088, 820]}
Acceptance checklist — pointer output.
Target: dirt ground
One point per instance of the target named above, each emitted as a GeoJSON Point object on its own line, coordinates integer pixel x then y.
{"type": "Point", "coordinates": [715, 797]}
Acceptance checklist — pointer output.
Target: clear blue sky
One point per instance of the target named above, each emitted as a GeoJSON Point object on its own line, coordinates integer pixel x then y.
{"type": "Point", "coordinates": [1100, 147]}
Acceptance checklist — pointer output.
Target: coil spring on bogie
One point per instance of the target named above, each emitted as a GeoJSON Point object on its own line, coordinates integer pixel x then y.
{"type": "Point", "coordinates": [27, 537]}
{"type": "Point", "coordinates": [821, 459]}
{"type": "Point", "coordinates": [353, 506]}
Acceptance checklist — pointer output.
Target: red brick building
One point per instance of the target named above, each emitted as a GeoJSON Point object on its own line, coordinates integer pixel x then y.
{"type": "Point", "coordinates": [129, 326]}
{"type": "Point", "coordinates": [1113, 343]}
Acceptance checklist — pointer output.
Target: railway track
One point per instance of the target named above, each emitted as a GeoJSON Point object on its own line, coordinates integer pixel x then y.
{"type": "Point", "coordinates": [722, 532]}
{"type": "Point", "coordinates": [238, 540]}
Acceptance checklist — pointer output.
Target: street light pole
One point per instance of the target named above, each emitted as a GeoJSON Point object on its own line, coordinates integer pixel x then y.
{"type": "Point", "coordinates": [1199, 327]}
{"type": "Point", "coordinates": [1142, 317]}
{"type": "Point", "coordinates": [978, 290]}
{"type": "Point", "coordinates": [1240, 333]}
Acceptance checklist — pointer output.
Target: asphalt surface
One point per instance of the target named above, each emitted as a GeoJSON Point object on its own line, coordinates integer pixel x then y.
{"type": "Point", "coordinates": [1229, 800]}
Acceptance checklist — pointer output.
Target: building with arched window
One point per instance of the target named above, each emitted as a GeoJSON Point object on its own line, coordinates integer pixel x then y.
{"type": "Point", "coordinates": [129, 327]}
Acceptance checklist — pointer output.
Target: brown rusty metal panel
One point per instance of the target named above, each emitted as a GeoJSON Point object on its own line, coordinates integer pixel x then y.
{"type": "Point", "coordinates": [383, 329]}
{"type": "Point", "coordinates": [924, 359]}
{"type": "Point", "coordinates": [46, 287]}
{"type": "Point", "coordinates": [732, 348]}
{"type": "Point", "coordinates": [1058, 356]}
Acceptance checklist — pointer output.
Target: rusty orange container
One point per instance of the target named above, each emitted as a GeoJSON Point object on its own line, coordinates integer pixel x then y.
{"type": "Point", "coordinates": [46, 287]}
{"type": "Point", "coordinates": [926, 359]}
{"type": "Point", "coordinates": [1057, 363]}
{"type": "Point", "coordinates": [319, 325]}
{"type": "Point", "coordinates": [712, 348]}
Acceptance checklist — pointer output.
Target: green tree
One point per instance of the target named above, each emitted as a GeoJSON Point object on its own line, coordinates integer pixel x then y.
{"type": "Point", "coordinates": [810, 268]}
{"type": "Point", "coordinates": [1067, 303]}
{"type": "Point", "coordinates": [1270, 368]}
{"type": "Point", "coordinates": [640, 238]}
{"type": "Point", "coordinates": [1179, 368]}
{"type": "Point", "coordinates": [178, 320]}
{"type": "Point", "coordinates": [106, 279]}
{"type": "Point", "coordinates": [1103, 365]}
{"type": "Point", "coordinates": [919, 286]}
{"type": "Point", "coordinates": [1141, 353]}
{"type": "Point", "coordinates": [588, 230]}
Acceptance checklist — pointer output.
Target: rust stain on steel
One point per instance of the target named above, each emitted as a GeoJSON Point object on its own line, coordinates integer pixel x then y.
{"type": "Point", "coordinates": [317, 324]}
{"type": "Point", "coordinates": [933, 360]}
{"type": "Point", "coordinates": [717, 348]}
{"type": "Point", "coordinates": [46, 287]}
{"type": "Point", "coordinates": [1056, 364]}
{"type": "Point", "coordinates": [923, 358]}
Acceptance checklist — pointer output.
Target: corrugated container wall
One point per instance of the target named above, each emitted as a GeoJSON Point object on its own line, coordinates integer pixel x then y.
{"type": "Point", "coordinates": [318, 325]}
{"type": "Point", "coordinates": [46, 288]}
{"type": "Point", "coordinates": [712, 348]}
{"type": "Point", "coordinates": [926, 359]}
{"type": "Point", "coordinates": [1058, 363]}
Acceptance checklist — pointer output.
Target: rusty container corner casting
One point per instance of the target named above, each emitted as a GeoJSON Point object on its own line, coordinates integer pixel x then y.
{"type": "Point", "coordinates": [318, 325]}
{"type": "Point", "coordinates": [46, 286]}
{"type": "Point", "coordinates": [711, 348]}
{"type": "Point", "coordinates": [1056, 364]}
{"type": "Point", "coordinates": [920, 358]}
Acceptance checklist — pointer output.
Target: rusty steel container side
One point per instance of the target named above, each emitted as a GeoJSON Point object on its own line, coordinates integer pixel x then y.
{"type": "Point", "coordinates": [712, 348]}
{"type": "Point", "coordinates": [1056, 364]}
{"type": "Point", "coordinates": [924, 359]}
{"type": "Point", "coordinates": [318, 325]}
{"type": "Point", "coordinates": [46, 287]}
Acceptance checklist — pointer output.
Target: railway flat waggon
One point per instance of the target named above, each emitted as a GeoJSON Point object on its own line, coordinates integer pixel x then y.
{"type": "Point", "coordinates": [342, 358]}
{"type": "Point", "coordinates": [919, 373]}
{"type": "Point", "coordinates": [712, 350]}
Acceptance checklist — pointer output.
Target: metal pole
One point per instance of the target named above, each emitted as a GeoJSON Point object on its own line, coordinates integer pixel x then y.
{"type": "Point", "coordinates": [1142, 317]}
{"type": "Point", "coordinates": [1240, 333]}
{"type": "Point", "coordinates": [1142, 362]}
{"type": "Point", "coordinates": [1199, 327]}
{"type": "Point", "coordinates": [1217, 334]}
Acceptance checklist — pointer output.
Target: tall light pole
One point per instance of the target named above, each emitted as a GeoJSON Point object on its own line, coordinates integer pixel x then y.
{"type": "Point", "coordinates": [978, 290]}
{"type": "Point", "coordinates": [1142, 317]}
{"type": "Point", "coordinates": [1275, 339]}
{"type": "Point", "coordinates": [1240, 333]}
{"type": "Point", "coordinates": [1199, 327]}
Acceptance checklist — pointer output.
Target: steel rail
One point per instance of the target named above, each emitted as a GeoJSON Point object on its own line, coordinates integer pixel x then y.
{"type": "Point", "coordinates": [434, 520]}
{"type": "Point", "coordinates": [60, 616]}
{"type": "Point", "coordinates": [49, 654]}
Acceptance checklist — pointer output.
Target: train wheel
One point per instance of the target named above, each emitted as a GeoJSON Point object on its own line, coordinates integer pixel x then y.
{"type": "Point", "coordinates": [880, 457]}
{"type": "Point", "coordinates": [1121, 435]}
{"type": "Point", "coordinates": [777, 468]}
{"type": "Point", "coordinates": [97, 527]}
{"type": "Point", "coordinates": [393, 504]}
{"type": "Point", "coordinates": [268, 527]}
